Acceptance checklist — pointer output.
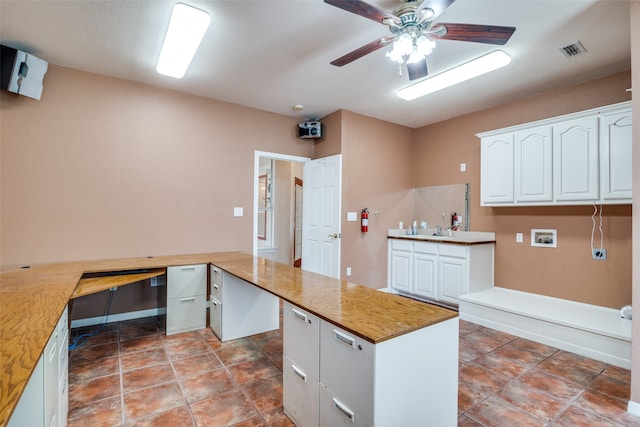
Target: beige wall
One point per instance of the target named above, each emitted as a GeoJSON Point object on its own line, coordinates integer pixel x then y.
{"type": "Point", "coordinates": [635, 339]}
{"type": "Point", "coordinates": [104, 168]}
{"type": "Point", "coordinates": [567, 271]}
{"type": "Point", "coordinates": [376, 174]}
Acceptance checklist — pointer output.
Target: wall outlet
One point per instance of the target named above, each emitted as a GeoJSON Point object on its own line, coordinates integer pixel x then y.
{"type": "Point", "coordinates": [519, 237]}
{"type": "Point", "coordinates": [348, 271]}
{"type": "Point", "coordinates": [599, 254]}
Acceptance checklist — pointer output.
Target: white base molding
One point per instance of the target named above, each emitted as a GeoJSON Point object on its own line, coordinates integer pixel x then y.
{"type": "Point", "coordinates": [90, 321]}
{"type": "Point", "coordinates": [596, 332]}
{"type": "Point", "coordinates": [633, 408]}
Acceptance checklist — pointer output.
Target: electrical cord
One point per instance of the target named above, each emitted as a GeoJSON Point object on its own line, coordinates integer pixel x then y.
{"type": "Point", "coordinates": [82, 339]}
{"type": "Point", "coordinates": [593, 226]}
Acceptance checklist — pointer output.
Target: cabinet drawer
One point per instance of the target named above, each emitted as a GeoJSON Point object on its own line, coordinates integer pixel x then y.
{"type": "Point", "coordinates": [215, 316]}
{"type": "Point", "coordinates": [302, 338]}
{"type": "Point", "coordinates": [335, 412]}
{"type": "Point", "coordinates": [425, 247]}
{"type": "Point", "coordinates": [347, 367]}
{"type": "Point", "coordinates": [63, 403]}
{"type": "Point", "coordinates": [454, 250]}
{"type": "Point", "coordinates": [215, 275]}
{"type": "Point", "coordinates": [186, 280]}
{"type": "Point", "coordinates": [300, 394]}
{"type": "Point", "coordinates": [401, 245]}
{"type": "Point", "coordinates": [186, 314]}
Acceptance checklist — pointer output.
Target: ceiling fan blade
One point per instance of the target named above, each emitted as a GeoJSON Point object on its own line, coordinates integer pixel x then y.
{"type": "Point", "coordinates": [417, 70]}
{"type": "Point", "coordinates": [362, 51]}
{"type": "Point", "coordinates": [491, 34]}
{"type": "Point", "coordinates": [364, 9]}
{"type": "Point", "coordinates": [438, 6]}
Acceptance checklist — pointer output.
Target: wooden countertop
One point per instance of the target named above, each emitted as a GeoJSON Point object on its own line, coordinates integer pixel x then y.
{"type": "Point", "coordinates": [33, 299]}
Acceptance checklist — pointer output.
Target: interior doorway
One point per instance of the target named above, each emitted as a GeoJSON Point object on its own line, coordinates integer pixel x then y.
{"type": "Point", "coordinates": [278, 207]}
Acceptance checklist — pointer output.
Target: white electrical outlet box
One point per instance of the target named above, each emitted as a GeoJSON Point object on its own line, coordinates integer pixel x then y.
{"type": "Point", "coordinates": [519, 237]}
{"type": "Point", "coordinates": [238, 211]}
{"type": "Point", "coordinates": [463, 167]}
{"type": "Point", "coordinates": [352, 216]}
{"type": "Point", "coordinates": [348, 271]}
{"type": "Point", "coordinates": [599, 254]}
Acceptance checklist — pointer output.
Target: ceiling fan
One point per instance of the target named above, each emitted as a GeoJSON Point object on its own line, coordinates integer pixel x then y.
{"type": "Point", "coordinates": [413, 32]}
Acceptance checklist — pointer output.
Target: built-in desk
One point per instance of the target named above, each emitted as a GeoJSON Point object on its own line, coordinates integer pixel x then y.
{"type": "Point", "coordinates": [98, 282]}
{"type": "Point", "coordinates": [33, 299]}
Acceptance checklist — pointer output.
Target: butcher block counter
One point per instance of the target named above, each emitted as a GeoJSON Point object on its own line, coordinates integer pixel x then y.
{"type": "Point", "coordinates": [32, 299]}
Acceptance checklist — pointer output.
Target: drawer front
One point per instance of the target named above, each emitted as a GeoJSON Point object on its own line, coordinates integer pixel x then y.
{"type": "Point", "coordinates": [347, 367]}
{"type": "Point", "coordinates": [186, 280]}
{"type": "Point", "coordinates": [302, 338]}
{"type": "Point", "coordinates": [401, 245]}
{"type": "Point", "coordinates": [215, 275]}
{"type": "Point", "coordinates": [336, 412]}
{"type": "Point", "coordinates": [63, 403]}
{"type": "Point", "coordinates": [454, 250]}
{"type": "Point", "coordinates": [63, 343]}
{"type": "Point", "coordinates": [300, 394]}
{"type": "Point", "coordinates": [215, 316]}
{"type": "Point", "coordinates": [186, 314]}
{"type": "Point", "coordinates": [51, 380]}
{"type": "Point", "coordinates": [425, 247]}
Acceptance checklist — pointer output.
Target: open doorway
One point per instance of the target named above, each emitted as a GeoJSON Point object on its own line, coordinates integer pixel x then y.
{"type": "Point", "coordinates": [278, 207]}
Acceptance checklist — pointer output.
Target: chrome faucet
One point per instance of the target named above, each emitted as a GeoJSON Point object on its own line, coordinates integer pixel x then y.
{"type": "Point", "coordinates": [438, 230]}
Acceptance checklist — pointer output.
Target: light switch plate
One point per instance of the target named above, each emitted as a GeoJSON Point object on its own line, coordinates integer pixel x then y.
{"type": "Point", "coordinates": [238, 211]}
{"type": "Point", "coordinates": [463, 167]}
{"type": "Point", "coordinates": [519, 237]}
{"type": "Point", "coordinates": [352, 216]}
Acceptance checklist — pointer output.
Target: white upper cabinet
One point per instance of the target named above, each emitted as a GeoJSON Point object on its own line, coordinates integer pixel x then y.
{"type": "Point", "coordinates": [577, 159]}
{"type": "Point", "coordinates": [615, 155]}
{"type": "Point", "coordinates": [497, 169]}
{"type": "Point", "coordinates": [533, 163]}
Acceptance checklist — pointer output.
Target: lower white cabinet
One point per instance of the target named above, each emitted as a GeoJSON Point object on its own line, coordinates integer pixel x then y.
{"type": "Point", "coordinates": [239, 308]}
{"type": "Point", "coordinates": [44, 401]}
{"type": "Point", "coordinates": [439, 271]}
{"type": "Point", "coordinates": [403, 381]}
{"type": "Point", "coordinates": [186, 298]}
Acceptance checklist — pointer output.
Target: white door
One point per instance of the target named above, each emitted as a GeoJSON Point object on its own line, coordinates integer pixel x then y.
{"type": "Point", "coordinates": [322, 194]}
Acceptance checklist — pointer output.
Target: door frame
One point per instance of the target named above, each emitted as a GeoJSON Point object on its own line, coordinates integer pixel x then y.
{"type": "Point", "coordinates": [256, 172]}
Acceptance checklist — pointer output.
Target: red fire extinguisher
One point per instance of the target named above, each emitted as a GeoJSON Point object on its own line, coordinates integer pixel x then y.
{"type": "Point", "coordinates": [455, 221]}
{"type": "Point", "coordinates": [364, 222]}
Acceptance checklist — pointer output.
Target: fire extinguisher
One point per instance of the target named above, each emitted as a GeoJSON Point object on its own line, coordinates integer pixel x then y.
{"type": "Point", "coordinates": [364, 222]}
{"type": "Point", "coordinates": [455, 221]}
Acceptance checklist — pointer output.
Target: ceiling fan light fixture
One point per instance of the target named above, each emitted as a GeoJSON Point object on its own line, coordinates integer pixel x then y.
{"type": "Point", "coordinates": [474, 68]}
{"type": "Point", "coordinates": [425, 45]}
{"type": "Point", "coordinates": [184, 34]}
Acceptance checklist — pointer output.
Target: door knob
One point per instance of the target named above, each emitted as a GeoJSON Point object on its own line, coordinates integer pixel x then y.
{"type": "Point", "coordinates": [335, 235]}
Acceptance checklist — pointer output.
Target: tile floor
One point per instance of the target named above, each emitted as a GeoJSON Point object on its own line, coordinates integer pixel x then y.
{"type": "Point", "coordinates": [133, 375]}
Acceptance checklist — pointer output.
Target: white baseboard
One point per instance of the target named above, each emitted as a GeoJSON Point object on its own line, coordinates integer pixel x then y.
{"type": "Point", "coordinates": [592, 331]}
{"type": "Point", "coordinates": [90, 321]}
{"type": "Point", "coordinates": [633, 408]}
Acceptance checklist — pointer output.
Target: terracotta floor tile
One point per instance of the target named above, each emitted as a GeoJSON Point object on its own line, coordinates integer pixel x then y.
{"type": "Point", "coordinates": [508, 368]}
{"type": "Point", "coordinates": [534, 347]}
{"type": "Point", "coordinates": [81, 370]}
{"type": "Point", "coordinates": [266, 395]}
{"type": "Point", "coordinates": [467, 327]}
{"type": "Point", "coordinates": [206, 385]}
{"type": "Point", "coordinates": [574, 373]}
{"type": "Point", "coordinates": [575, 417]}
{"type": "Point", "coordinates": [178, 417]}
{"type": "Point", "coordinates": [482, 379]}
{"type": "Point", "coordinates": [534, 402]}
{"type": "Point", "coordinates": [256, 421]}
{"type": "Point", "coordinates": [540, 380]}
{"type": "Point", "coordinates": [147, 376]}
{"type": "Point", "coordinates": [608, 407]}
{"type": "Point", "coordinates": [254, 370]}
{"type": "Point", "coordinates": [523, 356]}
{"type": "Point", "coordinates": [485, 341]}
{"type": "Point", "coordinates": [496, 412]}
{"type": "Point", "coordinates": [468, 396]}
{"type": "Point", "coordinates": [81, 393]}
{"type": "Point", "coordinates": [141, 344]}
{"type": "Point", "coordinates": [196, 364]}
{"type": "Point", "coordinates": [181, 350]}
{"type": "Point", "coordinates": [611, 387]}
{"type": "Point", "coordinates": [91, 353]}
{"type": "Point", "coordinates": [223, 410]}
{"type": "Point", "coordinates": [571, 359]}
{"type": "Point", "coordinates": [237, 354]}
{"type": "Point", "coordinates": [152, 400]}
{"type": "Point", "coordinates": [277, 418]}
{"type": "Point", "coordinates": [103, 413]}
{"type": "Point", "coordinates": [133, 331]}
{"type": "Point", "coordinates": [102, 337]}
{"type": "Point", "coordinates": [467, 351]}
{"type": "Point", "coordinates": [140, 359]}
{"type": "Point", "coordinates": [619, 374]}
{"type": "Point", "coordinates": [182, 338]}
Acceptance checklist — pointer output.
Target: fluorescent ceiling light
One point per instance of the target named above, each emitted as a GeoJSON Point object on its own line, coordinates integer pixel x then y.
{"type": "Point", "coordinates": [484, 64]}
{"type": "Point", "coordinates": [186, 29]}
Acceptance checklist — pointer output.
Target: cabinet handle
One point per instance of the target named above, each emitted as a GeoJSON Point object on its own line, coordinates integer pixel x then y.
{"type": "Point", "coordinates": [300, 315]}
{"type": "Point", "coordinates": [215, 286]}
{"type": "Point", "coordinates": [187, 268]}
{"type": "Point", "coordinates": [187, 299]}
{"type": "Point", "coordinates": [345, 339]}
{"type": "Point", "coordinates": [214, 302]}
{"type": "Point", "coordinates": [299, 373]}
{"type": "Point", "coordinates": [343, 409]}
{"type": "Point", "coordinates": [53, 352]}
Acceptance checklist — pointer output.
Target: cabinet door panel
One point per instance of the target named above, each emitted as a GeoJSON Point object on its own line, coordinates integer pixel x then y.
{"type": "Point", "coordinates": [533, 165]}
{"type": "Point", "coordinates": [186, 280]}
{"type": "Point", "coordinates": [616, 150]}
{"type": "Point", "coordinates": [215, 316]}
{"type": "Point", "coordinates": [401, 270]}
{"type": "Point", "coordinates": [575, 160]}
{"type": "Point", "coordinates": [452, 272]}
{"type": "Point", "coordinates": [497, 169]}
{"type": "Point", "coordinates": [186, 314]}
{"type": "Point", "coordinates": [425, 278]}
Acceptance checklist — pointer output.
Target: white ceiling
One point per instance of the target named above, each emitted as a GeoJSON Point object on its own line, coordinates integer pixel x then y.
{"type": "Point", "coordinates": [272, 54]}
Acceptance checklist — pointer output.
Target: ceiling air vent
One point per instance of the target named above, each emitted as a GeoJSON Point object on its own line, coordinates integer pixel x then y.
{"type": "Point", "coordinates": [573, 49]}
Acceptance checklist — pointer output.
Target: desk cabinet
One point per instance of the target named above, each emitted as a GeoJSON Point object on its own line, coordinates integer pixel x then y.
{"type": "Point", "coordinates": [186, 298]}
